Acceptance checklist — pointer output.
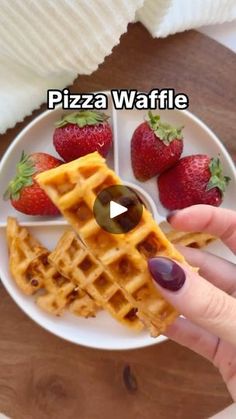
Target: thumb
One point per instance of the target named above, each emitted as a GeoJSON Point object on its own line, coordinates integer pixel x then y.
{"type": "Point", "coordinates": [195, 298]}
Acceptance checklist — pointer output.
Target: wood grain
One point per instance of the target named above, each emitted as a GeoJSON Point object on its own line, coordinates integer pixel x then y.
{"type": "Point", "coordinates": [42, 376]}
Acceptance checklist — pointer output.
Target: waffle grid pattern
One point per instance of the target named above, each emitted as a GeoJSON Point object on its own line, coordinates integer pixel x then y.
{"type": "Point", "coordinates": [24, 250]}
{"type": "Point", "coordinates": [73, 188]}
{"type": "Point", "coordinates": [32, 271]}
{"type": "Point", "coordinates": [77, 263]}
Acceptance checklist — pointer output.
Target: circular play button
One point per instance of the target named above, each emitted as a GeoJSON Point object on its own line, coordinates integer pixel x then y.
{"type": "Point", "coordinates": [117, 209]}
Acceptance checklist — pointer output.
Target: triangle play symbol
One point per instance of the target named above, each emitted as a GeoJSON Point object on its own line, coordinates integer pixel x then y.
{"type": "Point", "coordinates": [116, 209]}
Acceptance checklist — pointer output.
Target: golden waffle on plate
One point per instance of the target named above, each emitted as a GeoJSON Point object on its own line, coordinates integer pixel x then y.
{"type": "Point", "coordinates": [23, 250]}
{"type": "Point", "coordinates": [31, 269]}
{"type": "Point", "coordinates": [73, 188]}
{"type": "Point", "coordinates": [195, 240]}
{"type": "Point", "coordinates": [61, 293]}
{"type": "Point", "coordinates": [74, 260]}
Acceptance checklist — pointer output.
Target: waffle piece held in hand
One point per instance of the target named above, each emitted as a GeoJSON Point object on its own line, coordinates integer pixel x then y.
{"type": "Point", "coordinates": [74, 261]}
{"type": "Point", "coordinates": [31, 269]}
{"type": "Point", "coordinates": [73, 188]}
{"type": "Point", "coordinates": [195, 240]}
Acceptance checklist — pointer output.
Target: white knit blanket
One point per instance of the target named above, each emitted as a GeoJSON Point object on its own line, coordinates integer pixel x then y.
{"type": "Point", "coordinates": [47, 43]}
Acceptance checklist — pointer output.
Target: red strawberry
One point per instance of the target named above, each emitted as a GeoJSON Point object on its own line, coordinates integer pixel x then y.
{"type": "Point", "coordinates": [80, 133]}
{"type": "Point", "coordinates": [155, 146]}
{"type": "Point", "coordinates": [193, 180]}
{"type": "Point", "coordinates": [25, 194]}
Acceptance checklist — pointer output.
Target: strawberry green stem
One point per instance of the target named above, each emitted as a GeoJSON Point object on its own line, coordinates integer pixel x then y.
{"type": "Point", "coordinates": [82, 118]}
{"type": "Point", "coordinates": [164, 131]}
{"type": "Point", "coordinates": [217, 180]}
{"type": "Point", "coordinates": [24, 172]}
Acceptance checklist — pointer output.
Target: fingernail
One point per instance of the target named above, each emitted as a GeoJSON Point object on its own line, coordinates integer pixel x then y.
{"type": "Point", "coordinates": [171, 215]}
{"type": "Point", "coordinates": [167, 273]}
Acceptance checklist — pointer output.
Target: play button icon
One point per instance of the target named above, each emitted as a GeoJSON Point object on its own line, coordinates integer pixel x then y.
{"type": "Point", "coordinates": [117, 209]}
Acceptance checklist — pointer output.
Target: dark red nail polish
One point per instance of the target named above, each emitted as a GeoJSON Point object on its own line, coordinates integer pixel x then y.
{"type": "Point", "coordinates": [171, 215]}
{"type": "Point", "coordinates": [167, 273]}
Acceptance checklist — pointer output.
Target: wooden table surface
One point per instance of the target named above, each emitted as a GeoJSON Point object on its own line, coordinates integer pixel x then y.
{"type": "Point", "coordinates": [44, 377]}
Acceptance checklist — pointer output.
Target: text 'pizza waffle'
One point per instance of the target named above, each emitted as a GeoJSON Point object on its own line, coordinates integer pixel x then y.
{"type": "Point", "coordinates": [73, 188]}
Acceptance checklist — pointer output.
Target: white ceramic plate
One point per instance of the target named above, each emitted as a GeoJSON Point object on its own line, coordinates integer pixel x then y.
{"type": "Point", "coordinates": [102, 332]}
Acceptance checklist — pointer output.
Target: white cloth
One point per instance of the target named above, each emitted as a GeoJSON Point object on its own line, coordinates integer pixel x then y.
{"type": "Point", "coordinates": [46, 44]}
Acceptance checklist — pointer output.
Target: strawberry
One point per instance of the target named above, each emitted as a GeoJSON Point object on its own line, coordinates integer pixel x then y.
{"type": "Point", "coordinates": [193, 180]}
{"type": "Point", "coordinates": [25, 194]}
{"type": "Point", "coordinates": [155, 146]}
{"type": "Point", "coordinates": [80, 133]}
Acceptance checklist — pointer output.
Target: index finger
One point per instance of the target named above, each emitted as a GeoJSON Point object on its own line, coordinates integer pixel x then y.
{"type": "Point", "coordinates": [219, 222]}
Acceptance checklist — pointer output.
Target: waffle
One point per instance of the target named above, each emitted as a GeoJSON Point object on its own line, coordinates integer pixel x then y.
{"type": "Point", "coordinates": [73, 188]}
{"type": "Point", "coordinates": [23, 251]}
{"type": "Point", "coordinates": [195, 240]}
{"type": "Point", "coordinates": [74, 261]}
{"type": "Point", "coordinates": [60, 293]}
{"type": "Point", "coordinates": [31, 269]}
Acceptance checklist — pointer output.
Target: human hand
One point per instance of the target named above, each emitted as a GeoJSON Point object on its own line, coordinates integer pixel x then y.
{"type": "Point", "coordinates": [207, 299]}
